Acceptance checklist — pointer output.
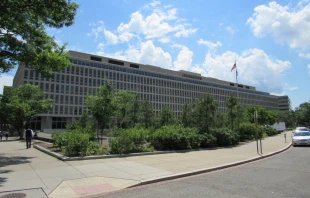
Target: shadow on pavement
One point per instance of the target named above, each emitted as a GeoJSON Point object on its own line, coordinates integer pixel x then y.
{"type": "Point", "coordinates": [3, 179]}
{"type": "Point", "coordinates": [7, 160]}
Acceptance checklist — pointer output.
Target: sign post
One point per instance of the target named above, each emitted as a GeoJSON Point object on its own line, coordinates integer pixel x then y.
{"type": "Point", "coordinates": [256, 132]}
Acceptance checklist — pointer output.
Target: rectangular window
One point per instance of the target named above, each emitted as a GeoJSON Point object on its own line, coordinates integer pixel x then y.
{"type": "Point", "coordinates": [62, 90]}
{"type": "Point", "coordinates": [67, 79]}
{"type": "Point", "coordinates": [56, 98]}
{"type": "Point", "coordinates": [116, 62]}
{"type": "Point", "coordinates": [52, 87]}
{"type": "Point", "coordinates": [76, 100]}
{"type": "Point", "coordinates": [61, 99]}
{"type": "Point", "coordinates": [134, 66]}
{"type": "Point", "coordinates": [77, 72]}
{"type": "Point", "coordinates": [67, 88]}
{"type": "Point", "coordinates": [95, 58]}
{"type": "Point", "coordinates": [57, 88]}
{"type": "Point", "coordinates": [71, 100]}
{"type": "Point", "coordinates": [77, 80]}
{"type": "Point", "coordinates": [31, 74]}
{"type": "Point", "coordinates": [66, 99]}
{"type": "Point", "coordinates": [90, 72]}
{"type": "Point", "coordinates": [72, 70]}
{"type": "Point", "coordinates": [47, 87]}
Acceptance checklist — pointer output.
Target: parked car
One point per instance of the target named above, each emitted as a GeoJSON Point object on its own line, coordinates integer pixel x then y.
{"type": "Point", "coordinates": [301, 138]}
{"type": "Point", "coordinates": [301, 129]}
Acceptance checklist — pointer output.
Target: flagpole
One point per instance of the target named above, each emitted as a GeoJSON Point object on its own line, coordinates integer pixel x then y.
{"type": "Point", "coordinates": [237, 83]}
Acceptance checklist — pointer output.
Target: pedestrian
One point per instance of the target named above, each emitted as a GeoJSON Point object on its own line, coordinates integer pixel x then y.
{"type": "Point", "coordinates": [6, 135]}
{"type": "Point", "coordinates": [1, 133]}
{"type": "Point", "coordinates": [285, 137]}
{"type": "Point", "coordinates": [28, 133]}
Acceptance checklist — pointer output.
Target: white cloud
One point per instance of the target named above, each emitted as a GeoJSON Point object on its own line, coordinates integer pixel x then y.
{"type": "Point", "coordinates": [255, 68]}
{"type": "Point", "coordinates": [230, 30]}
{"type": "Point", "coordinates": [184, 59]}
{"type": "Point", "coordinates": [304, 55]}
{"type": "Point", "coordinates": [125, 37]}
{"type": "Point", "coordinates": [185, 32]}
{"type": "Point", "coordinates": [212, 46]}
{"type": "Point", "coordinates": [5, 81]}
{"type": "Point", "coordinates": [283, 23]}
{"type": "Point", "coordinates": [158, 24]}
{"type": "Point", "coordinates": [155, 3]}
{"type": "Point", "coordinates": [110, 37]}
{"type": "Point", "coordinates": [289, 87]}
{"type": "Point", "coordinates": [145, 53]}
{"type": "Point", "coordinates": [308, 69]}
{"type": "Point", "coordinates": [97, 30]}
{"type": "Point", "coordinates": [164, 40]}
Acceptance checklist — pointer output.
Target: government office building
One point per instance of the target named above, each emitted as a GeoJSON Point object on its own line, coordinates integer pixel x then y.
{"type": "Point", "coordinates": [70, 87]}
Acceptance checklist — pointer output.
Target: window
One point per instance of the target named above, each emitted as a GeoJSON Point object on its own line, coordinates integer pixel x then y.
{"type": "Point", "coordinates": [52, 87]}
{"type": "Point", "coordinates": [31, 74]}
{"type": "Point", "coordinates": [116, 62]}
{"type": "Point", "coordinates": [67, 88]}
{"type": "Point", "coordinates": [67, 99]}
{"type": "Point", "coordinates": [134, 66]}
{"type": "Point", "coordinates": [37, 76]}
{"type": "Point", "coordinates": [77, 80]}
{"type": "Point", "coordinates": [95, 58]}
{"type": "Point", "coordinates": [57, 88]}
{"type": "Point", "coordinates": [57, 77]}
{"type": "Point", "coordinates": [59, 123]}
{"type": "Point", "coordinates": [63, 78]}
{"type": "Point", "coordinates": [61, 99]}
{"type": "Point", "coordinates": [47, 87]}
{"type": "Point", "coordinates": [67, 79]}
{"type": "Point", "coordinates": [62, 90]}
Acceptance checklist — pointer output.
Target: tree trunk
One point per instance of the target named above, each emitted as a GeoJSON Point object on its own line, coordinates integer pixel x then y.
{"type": "Point", "coordinates": [21, 133]}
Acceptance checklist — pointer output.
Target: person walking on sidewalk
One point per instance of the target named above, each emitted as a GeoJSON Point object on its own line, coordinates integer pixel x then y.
{"type": "Point", "coordinates": [28, 133]}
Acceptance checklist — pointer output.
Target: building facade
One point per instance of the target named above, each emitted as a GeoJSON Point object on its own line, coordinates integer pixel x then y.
{"type": "Point", "coordinates": [70, 87]}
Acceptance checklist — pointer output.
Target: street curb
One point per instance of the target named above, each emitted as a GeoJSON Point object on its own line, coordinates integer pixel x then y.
{"type": "Point", "coordinates": [200, 171]}
{"type": "Point", "coordinates": [64, 158]}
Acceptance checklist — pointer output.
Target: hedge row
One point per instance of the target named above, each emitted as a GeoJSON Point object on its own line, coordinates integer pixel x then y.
{"type": "Point", "coordinates": [76, 143]}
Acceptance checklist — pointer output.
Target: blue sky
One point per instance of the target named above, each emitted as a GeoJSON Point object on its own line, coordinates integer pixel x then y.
{"type": "Point", "coordinates": [269, 40]}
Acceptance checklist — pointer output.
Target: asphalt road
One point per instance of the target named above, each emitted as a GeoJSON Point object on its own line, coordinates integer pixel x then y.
{"type": "Point", "coordinates": [284, 175]}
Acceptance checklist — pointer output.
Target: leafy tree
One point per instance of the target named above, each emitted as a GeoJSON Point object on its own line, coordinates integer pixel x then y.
{"type": "Point", "coordinates": [165, 116]}
{"type": "Point", "coordinates": [204, 115]}
{"type": "Point", "coordinates": [231, 105]}
{"type": "Point", "coordinates": [23, 37]}
{"type": "Point", "coordinates": [303, 114]}
{"type": "Point", "coordinates": [25, 103]}
{"type": "Point", "coordinates": [264, 117]}
{"type": "Point", "coordinates": [101, 106]}
{"type": "Point", "coordinates": [85, 124]}
{"type": "Point", "coordinates": [289, 117]}
{"type": "Point", "coordinates": [221, 120]}
{"type": "Point", "coordinates": [187, 115]}
{"type": "Point", "coordinates": [147, 115]}
{"type": "Point", "coordinates": [126, 107]}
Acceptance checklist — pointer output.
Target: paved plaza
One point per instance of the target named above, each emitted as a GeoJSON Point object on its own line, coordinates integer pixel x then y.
{"type": "Point", "coordinates": [22, 168]}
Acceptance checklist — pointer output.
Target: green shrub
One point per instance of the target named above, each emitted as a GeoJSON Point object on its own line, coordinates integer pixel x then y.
{"type": "Point", "coordinates": [207, 141]}
{"type": "Point", "coordinates": [247, 131]}
{"type": "Point", "coordinates": [271, 131]}
{"type": "Point", "coordinates": [59, 139]}
{"type": "Point", "coordinates": [76, 144]}
{"type": "Point", "coordinates": [128, 141]}
{"type": "Point", "coordinates": [175, 137]}
{"type": "Point", "coordinates": [225, 136]}
{"type": "Point", "coordinates": [94, 148]}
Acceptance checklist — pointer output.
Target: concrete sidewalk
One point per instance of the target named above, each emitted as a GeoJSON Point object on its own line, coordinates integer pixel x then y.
{"type": "Point", "coordinates": [22, 168]}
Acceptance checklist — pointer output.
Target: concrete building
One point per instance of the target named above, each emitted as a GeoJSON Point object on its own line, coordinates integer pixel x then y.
{"type": "Point", "coordinates": [162, 87]}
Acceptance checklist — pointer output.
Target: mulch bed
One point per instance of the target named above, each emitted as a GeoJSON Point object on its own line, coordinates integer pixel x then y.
{"type": "Point", "coordinates": [49, 146]}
